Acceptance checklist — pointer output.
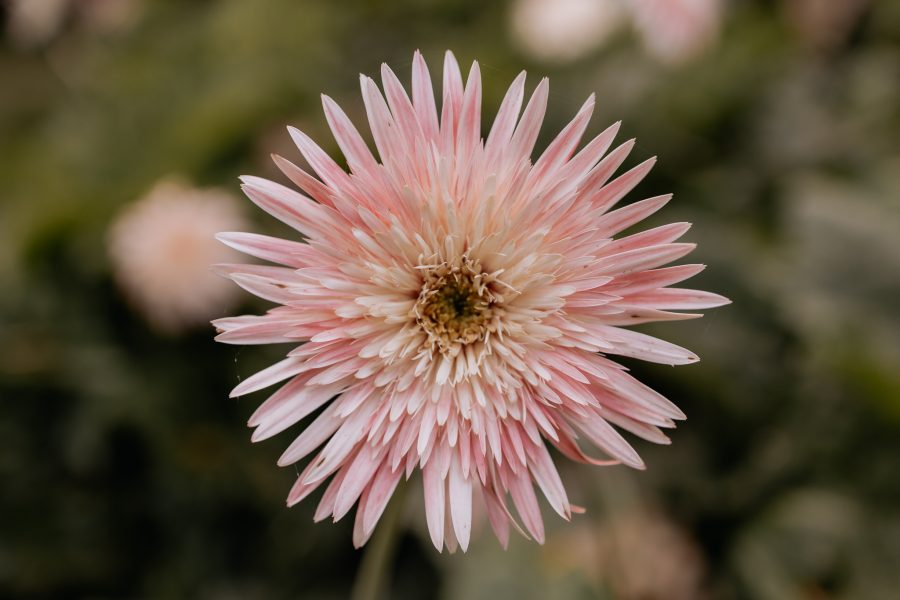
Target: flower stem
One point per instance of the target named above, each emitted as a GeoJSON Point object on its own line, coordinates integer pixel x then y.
{"type": "Point", "coordinates": [372, 578]}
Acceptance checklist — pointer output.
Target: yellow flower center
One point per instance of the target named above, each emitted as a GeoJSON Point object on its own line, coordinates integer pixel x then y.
{"type": "Point", "coordinates": [456, 305]}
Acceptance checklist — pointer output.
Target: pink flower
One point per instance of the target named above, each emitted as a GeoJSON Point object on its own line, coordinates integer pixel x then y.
{"type": "Point", "coordinates": [456, 305]}
{"type": "Point", "coordinates": [676, 31]}
{"type": "Point", "coordinates": [34, 22]}
{"type": "Point", "coordinates": [160, 249]}
{"type": "Point", "coordinates": [563, 30]}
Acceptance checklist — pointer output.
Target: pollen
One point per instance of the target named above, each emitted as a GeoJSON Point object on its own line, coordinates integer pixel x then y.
{"type": "Point", "coordinates": [457, 305]}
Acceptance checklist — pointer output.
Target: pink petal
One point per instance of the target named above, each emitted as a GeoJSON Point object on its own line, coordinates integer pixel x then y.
{"type": "Point", "coordinates": [636, 391]}
{"type": "Point", "coordinates": [497, 516]}
{"type": "Point", "coordinates": [545, 474]}
{"type": "Point", "coordinates": [657, 278]}
{"type": "Point", "coordinates": [646, 431]}
{"type": "Point", "coordinates": [527, 506]}
{"type": "Point", "coordinates": [289, 408]}
{"type": "Point", "coordinates": [642, 258]}
{"type": "Point", "coordinates": [312, 437]}
{"type": "Point", "coordinates": [590, 155]}
{"type": "Point", "coordinates": [433, 485]}
{"type": "Point", "coordinates": [529, 126]}
{"type": "Point", "coordinates": [253, 329]}
{"type": "Point", "coordinates": [614, 191]}
{"type": "Point", "coordinates": [505, 121]}
{"type": "Point", "coordinates": [358, 476]}
{"type": "Point", "coordinates": [663, 234]}
{"type": "Point", "coordinates": [300, 489]}
{"type": "Point", "coordinates": [678, 298]}
{"type": "Point", "coordinates": [382, 488]}
{"type": "Point", "coordinates": [646, 347]}
{"type": "Point", "coordinates": [268, 376]}
{"type": "Point", "coordinates": [561, 148]}
{"type": "Point", "coordinates": [287, 206]}
{"type": "Point", "coordinates": [452, 103]}
{"type": "Point", "coordinates": [401, 107]}
{"type": "Point", "coordinates": [292, 254]}
{"type": "Point", "coordinates": [592, 189]}
{"type": "Point", "coordinates": [359, 158]}
{"type": "Point", "coordinates": [608, 439]}
{"type": "Point", "coordinates": [460, 504]}
{"type": "Point", "coordinates": [326, 504]}
{"type": "Point", "coordinates": [306, 182]}
{"type": "Point", "coordinates": [469, 128]}
{"type": "Point", "coordinates": [423, 97]}
{"type": "Point", "coordinates": [322, 164]}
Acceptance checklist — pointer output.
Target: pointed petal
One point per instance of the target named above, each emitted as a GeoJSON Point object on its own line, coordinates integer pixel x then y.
{"type": "Point", "coordinates": [505, 121]}
{"type": "Point", "coordinates": [268, 376]}
{"type": "Point", "coordinates": [423, 97]}
{"type": "Point", "coordinates": [609, 440]}
{"type": "Point", "coordinates": [497, 516]}
{"type": "Point", "coordinates": [529, 126]}
{"type": "Point", "coordinates": [545, 474]}
{"type": "Point", "coordinates": [561, 148]}
{"type": "Point", "coordinates": [313, 436]}
{"type": "Point", "coordinates": [451, 106]}
{"type": "Point", "coordinates": [433, 485]}
{"type": "Point", "coordinates": [359, 157]}
{"type": "Point", "coordinates": [527, 506]}
{"type": "Point", "coordinates": [460, 504]}
{"type": "Point", "coordinates": [322, 164]}
{"type": "Point", "coordinates": [645, 347]}
{"type": "Point", "coordinates": [277, 250]}
{"type": "Point", "coordinates": [678, 299]}
{"type": "Point", "coordinates": [641, 258]}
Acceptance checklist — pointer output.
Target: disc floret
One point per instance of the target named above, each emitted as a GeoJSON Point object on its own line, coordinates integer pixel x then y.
{"type": "Point", "coordinates": [458, 304]}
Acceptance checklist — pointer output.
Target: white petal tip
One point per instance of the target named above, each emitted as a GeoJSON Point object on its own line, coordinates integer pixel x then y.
{"type": "Point", "coordinates": [298, 136]}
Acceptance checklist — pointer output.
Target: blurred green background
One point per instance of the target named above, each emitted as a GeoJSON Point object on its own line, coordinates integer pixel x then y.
{"type": "Point", "coordinates": [128, 473]}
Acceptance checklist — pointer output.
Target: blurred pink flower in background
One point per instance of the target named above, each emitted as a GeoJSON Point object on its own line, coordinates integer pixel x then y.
{"type": "Point", "coordinates": [824, 24]}
{"type": "Point", "coordinates": [109, 16]}
{"type": "Point", "coordinates": [456, 304]}
{"type": "Point", "coordinates": [564, 30]}
{"type": "Point", "coordinates": [642, 555]}
{"type": "Point", "coordinates": [636, 553]}
{"type": "Point", "coordinates": [676, 31]}
{"type": "Point", "coordinates": [161, 248]}
{"type": "Point", "coordinates": [35, 22]}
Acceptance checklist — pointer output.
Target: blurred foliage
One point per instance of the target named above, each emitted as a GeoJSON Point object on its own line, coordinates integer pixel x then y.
{"type": "Point", "coordinates": [128, 473]}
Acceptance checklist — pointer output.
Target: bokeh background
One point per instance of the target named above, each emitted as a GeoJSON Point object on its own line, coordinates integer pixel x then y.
{"type": "Point", "coordinates": [128, 473]}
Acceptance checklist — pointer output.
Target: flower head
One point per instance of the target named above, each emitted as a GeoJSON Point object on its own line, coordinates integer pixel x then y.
{"type": "Point", "coordinates": [676, 31]}
{"type": "Point", "coordinates": [564, 30]}
{"type": "Point", "coordinates": [161, 247]}
{"type": "Point", "coordinates": [34, 22]}
{"type": "Point", "coordinates": [636, 553]}
{"type": "Point", "coordinates": [823, 25]}
{"type": "Point", "coordinates": [453, 306]}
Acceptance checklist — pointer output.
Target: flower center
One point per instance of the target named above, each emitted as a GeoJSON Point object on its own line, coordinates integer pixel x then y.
{"type": "Point", "coordinates": [456, 305]}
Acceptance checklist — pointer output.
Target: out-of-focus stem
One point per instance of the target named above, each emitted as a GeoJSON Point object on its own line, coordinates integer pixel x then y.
{"type": "Point", "coordinates": [372, 579]}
